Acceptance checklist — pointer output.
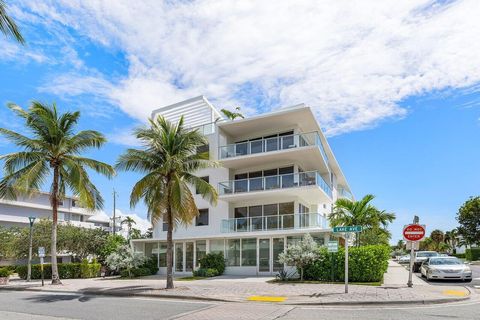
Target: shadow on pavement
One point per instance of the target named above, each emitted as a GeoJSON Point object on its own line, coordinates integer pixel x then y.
{"type": "Point", "coordinates": [49, 298]}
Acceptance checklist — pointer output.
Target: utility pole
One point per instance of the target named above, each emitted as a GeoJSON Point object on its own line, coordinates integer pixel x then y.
{"type": "Point", "coordinates": [114, 209]}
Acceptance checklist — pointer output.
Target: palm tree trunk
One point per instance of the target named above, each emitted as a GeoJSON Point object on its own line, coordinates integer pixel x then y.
{"type": "Point", "coordinates": [169, 249]}
{"type": "Point", "coordinates": [54, 202]}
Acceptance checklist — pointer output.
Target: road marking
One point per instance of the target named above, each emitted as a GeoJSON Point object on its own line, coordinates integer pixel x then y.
{"type": "Point", "coordinates": [266, 298]}
{"type": "Point", "coordinates": [458, 293]}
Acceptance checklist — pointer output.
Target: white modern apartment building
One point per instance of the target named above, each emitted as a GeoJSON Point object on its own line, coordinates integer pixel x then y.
{"type": "Point", "coordinates": [277, 181]}
{"type": "Point", "coordinates": [16, 212]}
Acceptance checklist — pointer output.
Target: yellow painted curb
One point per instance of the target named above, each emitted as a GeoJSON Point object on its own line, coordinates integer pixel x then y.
{"type": "Point", "coordinates": [455, 293]}
{"type": "Point", "coordinates": [266, 298]}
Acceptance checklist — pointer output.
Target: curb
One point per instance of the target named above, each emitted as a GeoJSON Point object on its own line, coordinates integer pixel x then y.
{"type": "Point", "coordinates": [291, 303]}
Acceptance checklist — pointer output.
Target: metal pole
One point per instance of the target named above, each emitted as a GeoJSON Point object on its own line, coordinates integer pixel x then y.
{"type": "Point", "coordinates": [29, 273]}
{"type": "Point", "coordinates": [114, 205]}
{"type": "Point", "coordinates": [346, 262]}
{"type": "Point", "coordinates": [30, 239]}
{"type": "Point", "coordinates": [41, 267]}
{"type": "Point", "coordinates": [410, 271]}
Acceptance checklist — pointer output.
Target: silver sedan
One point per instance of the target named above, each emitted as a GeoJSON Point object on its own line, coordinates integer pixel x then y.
{"type": "Point", "coordinates": [446, 268]}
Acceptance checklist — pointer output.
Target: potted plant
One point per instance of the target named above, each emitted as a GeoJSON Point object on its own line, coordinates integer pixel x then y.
{"type": "Point", "coordinates": [4, 275]}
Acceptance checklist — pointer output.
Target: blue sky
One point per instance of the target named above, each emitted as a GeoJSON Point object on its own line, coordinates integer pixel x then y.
{"type": "Point", "coordinates": [394, 85]}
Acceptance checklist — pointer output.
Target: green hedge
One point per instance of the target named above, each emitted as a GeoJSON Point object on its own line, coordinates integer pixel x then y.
{"type": "Point", "coordinates": [213, 261]}
{"type": "Point", "coordinates": [5, 272]}
{"type": "Point", "coordinates": [472, 254]}
{"type": "Point", "coordinates": [203, 272]}
{"type": "Point", "coordinates": [366, 264]}
{"type": "Point", "coordinates": [460, 255]}
{"type": "Point", "coordinates": [65, 270]}
{"type": "Point", "coordinates": [147, 269]}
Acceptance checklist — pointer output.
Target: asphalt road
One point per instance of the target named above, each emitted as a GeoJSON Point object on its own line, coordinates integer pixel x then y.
{"type": "Point", "coordinates": [54, 306]}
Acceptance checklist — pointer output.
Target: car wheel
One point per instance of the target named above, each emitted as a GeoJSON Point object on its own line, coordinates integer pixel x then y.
{"type": "Point", "coordinates": [468, 280]}
{"type": "Point", "coordinates": [428, 278]}
{"type": "Point", "coordinates": [421, 273]}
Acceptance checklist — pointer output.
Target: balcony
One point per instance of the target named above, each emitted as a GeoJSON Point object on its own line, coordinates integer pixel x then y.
{"type": "Point", "coordinates": [343, 193]}
{"type": "Point", "coordinates": [295, 221]}
{"type": "Point", "coordinates": [302, 183]}
{"type": "Point", "coordinates": [255, 152]}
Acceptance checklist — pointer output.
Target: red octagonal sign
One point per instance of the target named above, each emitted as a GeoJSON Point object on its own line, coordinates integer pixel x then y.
{"type": "Point", "coordinates": [414, 232]}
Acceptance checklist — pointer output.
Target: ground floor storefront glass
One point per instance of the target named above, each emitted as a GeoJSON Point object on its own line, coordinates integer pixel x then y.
{"type": "Point", "coordinates": [256, 255]}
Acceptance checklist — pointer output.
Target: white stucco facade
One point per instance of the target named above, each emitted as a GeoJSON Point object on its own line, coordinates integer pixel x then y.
{"type": "Point", "coordinates": [277, 181]}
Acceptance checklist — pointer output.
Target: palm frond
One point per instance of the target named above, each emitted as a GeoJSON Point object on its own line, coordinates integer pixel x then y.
{"type": "Point", "coordinates": [8, 25]}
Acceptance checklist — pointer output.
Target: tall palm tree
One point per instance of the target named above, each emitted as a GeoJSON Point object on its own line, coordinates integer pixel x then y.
{"type": "Point", "coordinates": [169, 161]}
{"type": "Point", "coordinates": [349, 213]}
{"type": "Point", "coordinates": [451, 239]}
{"type": "Point", "coordinates": [129, 222]}
{"type": "Point", "coordinates": [232, 115]}
{"type": "Point", "coordinates": [7, 25]}
{"type": "Point", "coordinates": [437, 237]}
{"type": "Point", "coordinates": [53, 154]}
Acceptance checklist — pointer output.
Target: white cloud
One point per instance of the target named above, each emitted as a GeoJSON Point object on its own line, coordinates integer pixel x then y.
{"type": "Point", "coordinates": [353, 62]}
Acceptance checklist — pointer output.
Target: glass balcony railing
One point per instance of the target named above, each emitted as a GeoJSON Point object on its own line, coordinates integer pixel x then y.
{"type": "Point", "coordinates": [343, 193]}
{"type": "Point", "coordinates": [291, 180]}
{"type": "Point", "coordinates": [275, 222]}
{"type": "Point", "coordinates": [272, 144]}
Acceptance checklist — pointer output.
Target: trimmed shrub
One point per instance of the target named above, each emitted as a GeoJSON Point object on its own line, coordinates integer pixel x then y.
{"type": "Point", "coordinates": [459, 255]}
{"type": "Point", "coordinates": [366, 264]}
{"type": "Point", "coordinates": [213, 261]}
{"type": "Point", "coordinates": [472, 254]}
{"type": "Point", "coordinates": [136, 272]}
{"type": "Point", "coordinates": [5, 272]}
{"type": "Point", "coordinates": [151, 265]}
{"type": "Point", "coordinates": [65, 270]}
{"type": "Point", "coordinates": [203, 272]}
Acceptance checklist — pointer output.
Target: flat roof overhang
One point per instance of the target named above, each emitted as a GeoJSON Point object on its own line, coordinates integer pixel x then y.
{"type": "Point", "coordinates": [309, 157]}
{"type": "Point", "coordinates": [311, 194]}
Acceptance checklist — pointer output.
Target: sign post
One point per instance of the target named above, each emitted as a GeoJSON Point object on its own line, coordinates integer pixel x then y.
{"type": "Point", "coordinates": [332, 247]}
{"type": "Point", "coordinates": [41, 254]}
{"type": "Point", "coordinates": [413, 233]}
{"type": "Point", "coordinates": [347, 230]}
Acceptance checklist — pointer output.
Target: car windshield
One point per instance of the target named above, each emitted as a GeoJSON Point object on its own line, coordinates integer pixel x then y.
{"type": "Point", "coordinates": [445, 261]}
{"type": "Point", "coordinates": [426, 254]}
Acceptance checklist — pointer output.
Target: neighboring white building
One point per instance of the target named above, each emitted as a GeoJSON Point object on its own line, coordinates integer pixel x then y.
{"type": "Point", "coordinates": [278, 181]}
{"type": "Point", "coordinates": [16, 212]}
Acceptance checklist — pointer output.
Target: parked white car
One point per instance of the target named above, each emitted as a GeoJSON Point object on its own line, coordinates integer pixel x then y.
{"type": "Point", "coordinates": [421, 257]}
{"type": "Point", "coordinates": [446, 268]}
{"type": "Point", "coordinates": [404, 259]}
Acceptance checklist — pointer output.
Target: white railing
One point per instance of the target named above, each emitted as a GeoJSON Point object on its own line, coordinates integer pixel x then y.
{"type": "Point", "coordinates": [275, 222]}
{"type": "Point", "coordinates": [272, 144]}
{"type": "Point", "coordinates": [290, 180]}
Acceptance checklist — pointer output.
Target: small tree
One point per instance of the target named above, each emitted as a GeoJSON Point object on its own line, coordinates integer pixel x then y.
{"type": "Point", "coordinates": [468, 217]}
{"type": "Point", "coordinates": [300, 254]}
{"type": "Point", "coordinates": [125, 259]}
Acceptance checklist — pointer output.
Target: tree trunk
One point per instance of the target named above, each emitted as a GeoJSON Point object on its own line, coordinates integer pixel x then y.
{"type": "Point", "coordinates": [54, 203]}
{"type": "Point", "coordinates": [169, 249]}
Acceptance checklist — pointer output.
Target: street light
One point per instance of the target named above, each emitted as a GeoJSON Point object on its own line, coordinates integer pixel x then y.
{"type": "Point", "coordinates": [29, 274]}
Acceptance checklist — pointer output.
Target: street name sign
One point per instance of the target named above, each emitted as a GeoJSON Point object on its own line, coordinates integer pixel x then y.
{"type": "Point", "coordinates": [414, 232]}
{"type": "Point", "coordinates": [332, 246]}
{"type": "Point", "coordinates": [348, 229]}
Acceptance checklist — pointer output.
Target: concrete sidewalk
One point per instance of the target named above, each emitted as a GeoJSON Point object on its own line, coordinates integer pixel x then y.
{"type": "Point", "coordinates": [236, 289]}
{"type": "Point", "coordinates": [397, 275]}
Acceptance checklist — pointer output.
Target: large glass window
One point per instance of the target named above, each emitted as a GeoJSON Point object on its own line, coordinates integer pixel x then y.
{"type": "Point", "coordinates": [201, 248]}
{"type": "Point", "coordinates": [249, 252]}
{"type": "Point", "coordinates": [179, 257]}
{"type": "Point", "coordinates": [188, 256]}
{"type": "Point", "coordinates": [202, 218]}
{"type": "Point", "coordinates": [270, 209]}
{"type": "Point", "coordinates": [286, 208]}
{"type": "Point", "coordinates": [233, 252]}
{"type": "Point", "coordinates": [163, 254]}
{"type": "Point", "coordinates": [287, 177]}
{"type": "Point", "coordinates": [217, 246]}
{"type": "Point", "coordinates": [255, 211]}
{"type": "Point", "coordinates": [255, 181]}
{"type": "Point", "coordinates": [277, 249]}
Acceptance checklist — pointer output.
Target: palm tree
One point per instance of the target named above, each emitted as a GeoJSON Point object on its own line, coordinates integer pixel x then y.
{"type": "Point", "coordinates": [129, 222]}
{"type": "Point", "coordinates": [52, 152]}
{"type": "Point", "coordinates": [451, 239]}
{"type": "Point", "coordinates": [350, 213]}
{"type": "Point", "coordinates": [7, 25]}
{"type": "Point", "coordinates": [232, 115]}
{"type": "Point", "coordinates": [169, 161]}
{"type": "Point", "coordinates": [437, 237]}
